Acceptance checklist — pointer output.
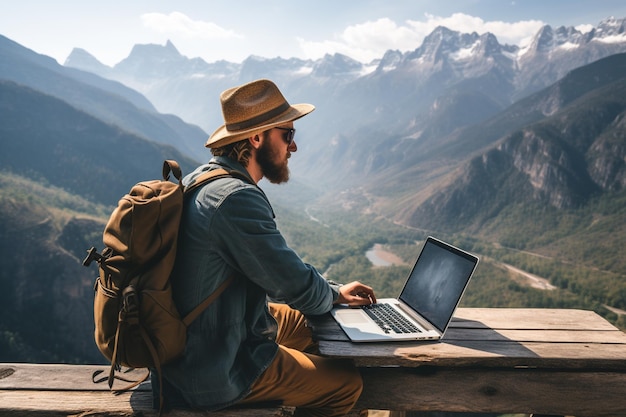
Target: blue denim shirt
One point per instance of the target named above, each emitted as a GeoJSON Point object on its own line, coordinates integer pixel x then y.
{"type": "Point", "coordinates": [228, 228]}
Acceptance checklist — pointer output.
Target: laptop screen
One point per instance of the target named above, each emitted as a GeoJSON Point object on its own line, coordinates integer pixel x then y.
{"type": "Point", "coordinates": [437, 281]}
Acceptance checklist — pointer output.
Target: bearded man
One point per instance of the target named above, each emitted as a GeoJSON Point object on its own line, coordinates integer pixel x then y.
{"type": "Point", "coordinates": [244, 349]}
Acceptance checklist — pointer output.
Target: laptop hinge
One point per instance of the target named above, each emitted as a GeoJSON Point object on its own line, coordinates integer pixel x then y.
{"type": "Point", "coordinates": [425, 324]}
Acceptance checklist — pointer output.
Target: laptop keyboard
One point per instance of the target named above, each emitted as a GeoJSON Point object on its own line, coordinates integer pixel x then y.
{"type": "Point", "coordinates": [389, 320]}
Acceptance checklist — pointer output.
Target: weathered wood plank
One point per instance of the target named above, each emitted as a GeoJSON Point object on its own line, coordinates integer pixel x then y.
{"type": "Point", "coordinates": [68, 402]}
{"type": "Point", "coordinates": [423, 389]}
{"type": "Point", "coordinates": [60, 377]}
{"type": "Point", "coordinates": [495, 338]}
{"type": "Point", "coordinates": [530, 324]}
{"type": "Point", "coordinates": [85, 403]}
{"type": "Point", "coordinates": [473, 353]}
{"type": "Point", "coordinates": [552, 336]}
{"type": "Point", "coordinates": [55, 389]}
{"type": "Point", "coordinates": [480, 390]}
{"type": "Point", "coordinates": [63, 390]}
{"type": "Point", "coordinates": [504, 335]}
{"type": "Point", "coordinates": [530, 318]}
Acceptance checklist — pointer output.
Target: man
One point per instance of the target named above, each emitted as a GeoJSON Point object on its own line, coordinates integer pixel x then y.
{"type": "Point", "coordinates": [242, 349]}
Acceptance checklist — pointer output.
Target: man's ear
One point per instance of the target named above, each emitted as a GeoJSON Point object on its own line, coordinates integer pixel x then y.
{"type": "Point", "coordinates": [255, 141]}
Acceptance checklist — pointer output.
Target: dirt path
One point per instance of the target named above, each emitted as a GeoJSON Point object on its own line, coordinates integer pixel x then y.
{"type": "Point", "coordinates": [533, 280]}
{"type": "Point", "coordinates": [617, 311]}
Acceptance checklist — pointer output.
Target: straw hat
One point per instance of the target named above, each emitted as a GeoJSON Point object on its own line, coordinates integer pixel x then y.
{"type": "Point", "coordinates": [252, 108]}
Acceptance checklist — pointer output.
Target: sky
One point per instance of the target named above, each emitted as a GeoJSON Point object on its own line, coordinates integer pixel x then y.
{"type": "Point", "coordinates": [234, 30]}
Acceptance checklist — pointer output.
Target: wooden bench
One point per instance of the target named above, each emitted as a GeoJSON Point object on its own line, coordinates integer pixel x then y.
{"type": "Point", "coordinates": [64, 390]}
{"type": "Point", "coordinates": [542, 361]}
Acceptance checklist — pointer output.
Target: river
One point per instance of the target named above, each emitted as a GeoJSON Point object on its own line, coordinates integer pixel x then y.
{"type": "Point", "coordinates": [378, 256]}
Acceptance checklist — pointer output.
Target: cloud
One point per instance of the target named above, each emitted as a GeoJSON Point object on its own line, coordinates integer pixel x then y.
{"type": "Point", "coordinates": [584, 28]}
{"type": "Point", "coordinates": [365, 41]}
{"type": "Point", "coordinates": [370, 40]}
{"type": "Point", "coordinates": [177, 23]}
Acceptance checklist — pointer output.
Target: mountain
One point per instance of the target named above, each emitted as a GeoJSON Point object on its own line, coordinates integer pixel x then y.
{"type": "Point", "coordinates": [88, 63]}
{"type": "Point", "coordinates": [567, 150]}
{"type": "Point", "coordinates": [554, 52]}
{"type": "Point", "coordinates": [63, 169]}
{"type": "Point", "coordinates": [451, 81]}
{"type": "Point", "coordinates": [46, 139]}
{"type": "Point", "coordinates": [107, 100]}
{"type": "Point", "coordinates": [46, 295]}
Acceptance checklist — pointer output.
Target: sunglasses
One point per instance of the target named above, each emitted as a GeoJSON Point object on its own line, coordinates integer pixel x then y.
{"type": "Point", "coordinates": [290, 133]}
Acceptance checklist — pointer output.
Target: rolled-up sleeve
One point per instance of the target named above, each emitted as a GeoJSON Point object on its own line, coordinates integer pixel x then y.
{"type": "Point", "coordinates": [253, 243]}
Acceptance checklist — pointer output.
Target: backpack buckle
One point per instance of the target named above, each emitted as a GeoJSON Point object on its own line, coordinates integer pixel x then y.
{"type": "Point", "coordinates": [92, 255]}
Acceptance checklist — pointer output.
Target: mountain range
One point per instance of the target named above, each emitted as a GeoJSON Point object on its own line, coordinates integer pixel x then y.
{"type": "Point", "coordinates": [517, 147]}
{"type": "Point", "coordinates": [452, 80]}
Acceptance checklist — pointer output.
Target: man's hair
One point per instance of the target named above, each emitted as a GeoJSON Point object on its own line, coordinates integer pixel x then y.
{"type": "Point", "coordinates": [239, 151]}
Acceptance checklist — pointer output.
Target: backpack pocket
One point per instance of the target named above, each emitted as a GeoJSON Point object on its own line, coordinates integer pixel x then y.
{"type": "Point", "coordinates": [161, 319]}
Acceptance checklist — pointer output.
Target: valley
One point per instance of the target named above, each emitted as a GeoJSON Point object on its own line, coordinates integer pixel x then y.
{"type": "Point", "coordinates": [380, 257]}
{"type": "Point", "coordinates": [516, 155]}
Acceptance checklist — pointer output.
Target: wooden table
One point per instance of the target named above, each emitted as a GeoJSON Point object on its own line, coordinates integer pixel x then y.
{"type": "Point", "coordinates": [568, 362]}
{"type": "Point", "coordinates": [542, 361]}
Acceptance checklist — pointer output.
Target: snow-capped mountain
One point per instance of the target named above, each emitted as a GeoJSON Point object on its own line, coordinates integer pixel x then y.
{"type": "Point", "coordinates": [450, 81]}
{"type": "Point", "coordinates": [174, 82]}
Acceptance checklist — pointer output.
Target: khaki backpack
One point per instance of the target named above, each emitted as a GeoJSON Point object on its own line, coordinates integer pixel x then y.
{"type": "Point", "coordinates": [137, 324]}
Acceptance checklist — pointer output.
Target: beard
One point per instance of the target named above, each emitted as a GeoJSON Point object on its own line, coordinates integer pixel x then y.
{"type": "Point", "coordinates": [275, 172]}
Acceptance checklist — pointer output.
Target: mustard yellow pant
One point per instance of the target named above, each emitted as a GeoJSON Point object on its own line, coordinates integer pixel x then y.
{"type": "Point", "coordinates": [315, 385]}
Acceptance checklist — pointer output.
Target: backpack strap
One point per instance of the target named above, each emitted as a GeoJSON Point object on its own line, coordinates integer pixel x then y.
{"type": "Point", "coordinates": [215, 174]}
{"type": "Point", "coordinates": [157, 365]}
{"type": "Point", "coordinates": [189, 318]}
{"type": "Point", "coordinates": [133, 383]}
{"type": "Point", "coordinates": [198, 182]}
{"type": "Point", "coordinates": [169, 165]}
{"type": "Point", "coordinates": [96, 374]}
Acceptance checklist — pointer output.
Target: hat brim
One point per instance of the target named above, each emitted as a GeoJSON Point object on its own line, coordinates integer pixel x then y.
{"type": "Point", "coordinates": [223, 136]}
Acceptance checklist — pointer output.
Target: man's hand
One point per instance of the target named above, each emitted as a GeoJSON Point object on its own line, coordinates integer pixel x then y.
{"type": "Point", "coordinates": [356, 294]}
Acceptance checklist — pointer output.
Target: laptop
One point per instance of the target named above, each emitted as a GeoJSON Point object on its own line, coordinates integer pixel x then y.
{"type": "Point", "coordinates": [426, 304]}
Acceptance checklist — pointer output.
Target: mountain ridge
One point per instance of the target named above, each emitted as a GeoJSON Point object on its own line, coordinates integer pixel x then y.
{"type": "Point", "coordinates": [47, 139]}
{"type": "Point", "coordinates": [564, 159]}
{"type": "Point", "coordinates": [439, 44]}
{"type": "Point", "coordinates": [108, 100]}
{"type": "Point", "coordinates": [417, 94]}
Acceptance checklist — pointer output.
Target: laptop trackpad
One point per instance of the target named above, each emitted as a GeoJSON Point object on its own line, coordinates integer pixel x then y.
{"type": "Point", "coordinates": [353, 317]}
